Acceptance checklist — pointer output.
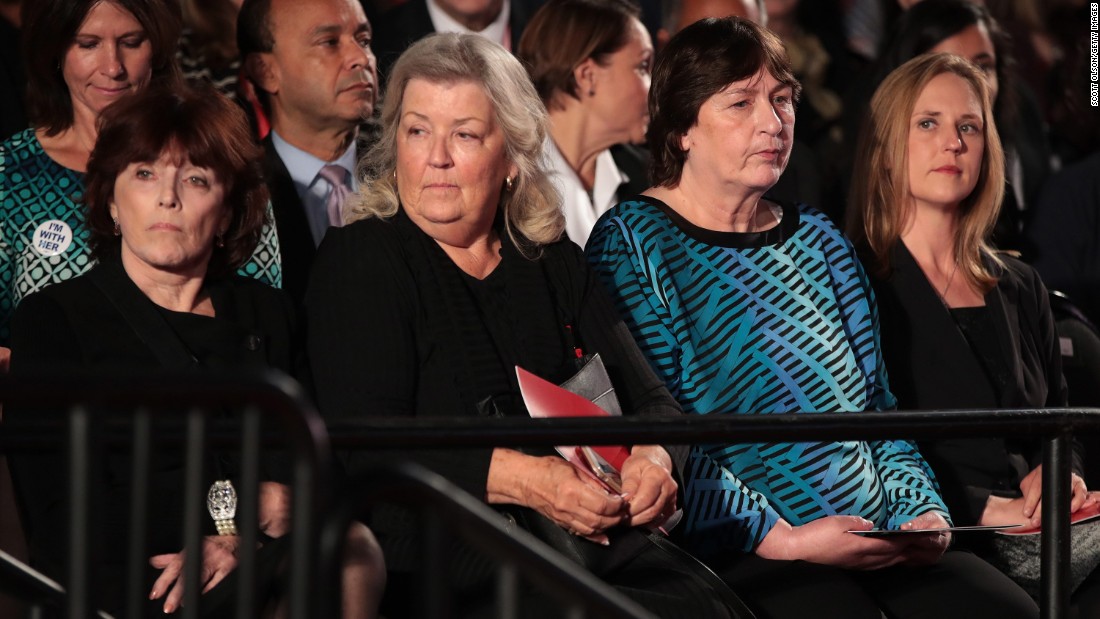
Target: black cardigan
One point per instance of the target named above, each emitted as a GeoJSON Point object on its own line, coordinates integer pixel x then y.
{"type": "Point", "coordinates": [73, 325]}
{"type": "Point", "coordinates": [931, 366]}
{"type": "Point", "coordinates": [388, 331]}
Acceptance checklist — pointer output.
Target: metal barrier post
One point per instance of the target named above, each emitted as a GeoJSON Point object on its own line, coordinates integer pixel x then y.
{"type": "Point", "coordinates": [1054, 564]}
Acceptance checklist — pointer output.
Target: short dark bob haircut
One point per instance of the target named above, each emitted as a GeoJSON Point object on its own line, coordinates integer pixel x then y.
{"type": "Point", "coordinates": [698, 63]}
{"type": "Point", "coordinates": [564, 33]}
{"type": "Point", "coordinates": [198, 124]}
{"type": "Point", "coordinates": [49, 28]}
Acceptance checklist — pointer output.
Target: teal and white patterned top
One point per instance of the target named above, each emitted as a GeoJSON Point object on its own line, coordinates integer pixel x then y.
{"type": "Point", "coordinates": [761, 323]}
{"type": "Point", "coordinates": [43, 239]}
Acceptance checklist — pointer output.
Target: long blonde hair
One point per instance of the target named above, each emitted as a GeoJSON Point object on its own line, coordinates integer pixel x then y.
{"type": "Point", "coordinates": [532, 206]}
{"type": "Point", "coordinates": [879, 204]}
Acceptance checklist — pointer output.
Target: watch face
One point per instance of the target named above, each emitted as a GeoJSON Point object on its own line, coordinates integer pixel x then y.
{"type": "Point", "coordinates": [222, 500]}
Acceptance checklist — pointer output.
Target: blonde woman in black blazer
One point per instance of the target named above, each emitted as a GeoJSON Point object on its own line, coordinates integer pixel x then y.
{"type": "Point", "coordinates": [962, 325]}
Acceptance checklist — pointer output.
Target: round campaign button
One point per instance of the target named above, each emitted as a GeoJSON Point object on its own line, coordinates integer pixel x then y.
{"type": "Point", "coordinates": [52, 238]}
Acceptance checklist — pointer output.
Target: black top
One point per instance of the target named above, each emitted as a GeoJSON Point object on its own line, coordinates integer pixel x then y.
{"type": "Point", "coordinates": [74, 325]}
{"type": "Point", "coordinates": [977, 327]}
{"type": "Point", "coordinates": [397, 329]}
{"type": "Point", "coordinates": [771, 237]}
{"type": "Point", "coordinates": [932, 366]}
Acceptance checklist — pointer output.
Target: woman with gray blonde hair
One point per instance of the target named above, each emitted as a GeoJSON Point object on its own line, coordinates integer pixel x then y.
{"type": "Point", "coordinates": [531, 202]}
{"type": "Point", "coordinates": [453, 273]}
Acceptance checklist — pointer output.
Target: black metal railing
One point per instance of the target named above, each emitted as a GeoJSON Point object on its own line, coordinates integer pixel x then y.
{"type": "Point", "coordinates": [315, 566]}
{"type": "Point", "coordinates": [192, 398]}
{"type": "Point", "coordinates": [1054, 426]}
{"type": "Point", "coordinates": [447, 511]}
{"type": "Point", "coordinates": [280, 396]}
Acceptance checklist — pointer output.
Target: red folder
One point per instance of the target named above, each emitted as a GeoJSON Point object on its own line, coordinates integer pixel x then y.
{"type": "Point", "coordinates": [544, 399]}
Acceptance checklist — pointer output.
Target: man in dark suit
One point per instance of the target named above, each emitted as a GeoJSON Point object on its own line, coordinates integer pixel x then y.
{"type": "Point", "coordinates": [500, 21]}
{"type": "Point", "coordinates": [311, 64]}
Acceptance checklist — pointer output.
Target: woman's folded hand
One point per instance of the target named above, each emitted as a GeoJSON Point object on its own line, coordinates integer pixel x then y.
{"type": "Point", "coordinates": [648, 487]}
{"type": "Point", "coordinates": [926, 548]}
{"type": "Point", "coordinates": [1032, 488]}
{"type": "Point", "coordinates": [219, 558]}
{"type": "Point", "coordinates": [827, 541]}
{"type": "Point", "coordinates": [556, 489]}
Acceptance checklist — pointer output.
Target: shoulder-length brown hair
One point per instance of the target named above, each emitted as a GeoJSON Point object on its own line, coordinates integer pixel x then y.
{"type": "Point", "coordinates": [49, 28]}
{"type": "Point", "coordinates": [564, 33]}
{"type": "Point", "coordinates": [194, 123]}
{"type": "Point", "coordinates": [879, 206]}
{"type": "Point", "coordinates": [698, 63]}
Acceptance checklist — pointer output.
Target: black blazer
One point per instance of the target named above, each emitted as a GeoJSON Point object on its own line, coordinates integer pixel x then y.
{"type": "Point", "coordinates": [295, 238]}
{"type": "Point", "coordinates": [409, 22]}
{"type": "Point", "coordinates": [931, 366]}
{"type": "Point", "coordinates": [74, 325]}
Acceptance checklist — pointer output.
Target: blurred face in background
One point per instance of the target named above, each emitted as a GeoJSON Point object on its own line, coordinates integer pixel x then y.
{"type": "Point", "coordinates": [974, 44]}
{"type": "Point", "coordinates": [474, 14]}
{"type": "Point", "coordinates": [110, 57]}
{"type": "Point", "coordinates": [694, 10]}
{"type": "Point", "coordinates": [621, 87]}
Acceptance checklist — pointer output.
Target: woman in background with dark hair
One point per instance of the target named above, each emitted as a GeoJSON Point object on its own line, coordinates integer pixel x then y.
{"type": "Point", "coordinates": [175, 204]}
{"type": "Point", "coordinates": [590, 62]}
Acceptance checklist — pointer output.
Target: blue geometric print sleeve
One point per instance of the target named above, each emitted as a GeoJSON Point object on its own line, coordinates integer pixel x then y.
{"type": "Point", "coordinates": [911, 488]}
{"type": "Point", "coordinates": [741, 516]}
{"type": "Point", "coordinates": [613, 254]}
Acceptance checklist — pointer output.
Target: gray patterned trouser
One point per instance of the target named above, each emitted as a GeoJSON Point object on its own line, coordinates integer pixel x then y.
{"type": "Point", "coordinates": [1018, 556]}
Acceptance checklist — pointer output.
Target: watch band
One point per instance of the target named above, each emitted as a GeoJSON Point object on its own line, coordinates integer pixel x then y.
{"type": "Point", "coordinates": [221, 502]}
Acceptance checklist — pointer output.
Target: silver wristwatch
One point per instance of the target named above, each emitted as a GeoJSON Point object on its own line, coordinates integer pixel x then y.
{"type": "Point", "coordinates": [221, 501]}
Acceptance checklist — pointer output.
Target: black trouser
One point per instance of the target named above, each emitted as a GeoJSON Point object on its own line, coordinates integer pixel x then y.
{"type": "Point", "coordinates": [959, 586]}
{"type": "Point", "coordinates": [660, 577]}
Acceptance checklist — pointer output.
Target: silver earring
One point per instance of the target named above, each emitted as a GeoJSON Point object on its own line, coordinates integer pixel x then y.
{"type": "Point", "coordinates": [219, 241]}
{"type": "Point", "coordinates": [118, 231]}
{"type": "Point", "coordinates": [508, 183]}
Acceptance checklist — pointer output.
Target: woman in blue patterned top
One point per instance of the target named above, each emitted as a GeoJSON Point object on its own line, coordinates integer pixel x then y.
{"type": "Point", "coordinates": [83, 55]}
{"type": "Point", "coordinates": [747, 306]}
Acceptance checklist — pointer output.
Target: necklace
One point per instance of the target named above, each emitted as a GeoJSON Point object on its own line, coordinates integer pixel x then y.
{"type": "Point", "coordinates": [950, 278]}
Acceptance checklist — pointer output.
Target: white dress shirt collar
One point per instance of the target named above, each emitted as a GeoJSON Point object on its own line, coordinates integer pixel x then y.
{"type": "Point", "coordinates": [581, 209]}
{"type": "Point", "coordinates": [313, 190]}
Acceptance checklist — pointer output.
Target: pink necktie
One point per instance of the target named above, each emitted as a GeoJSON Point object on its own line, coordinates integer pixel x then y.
{"type": "Point", "coordinates": [337, 195]}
